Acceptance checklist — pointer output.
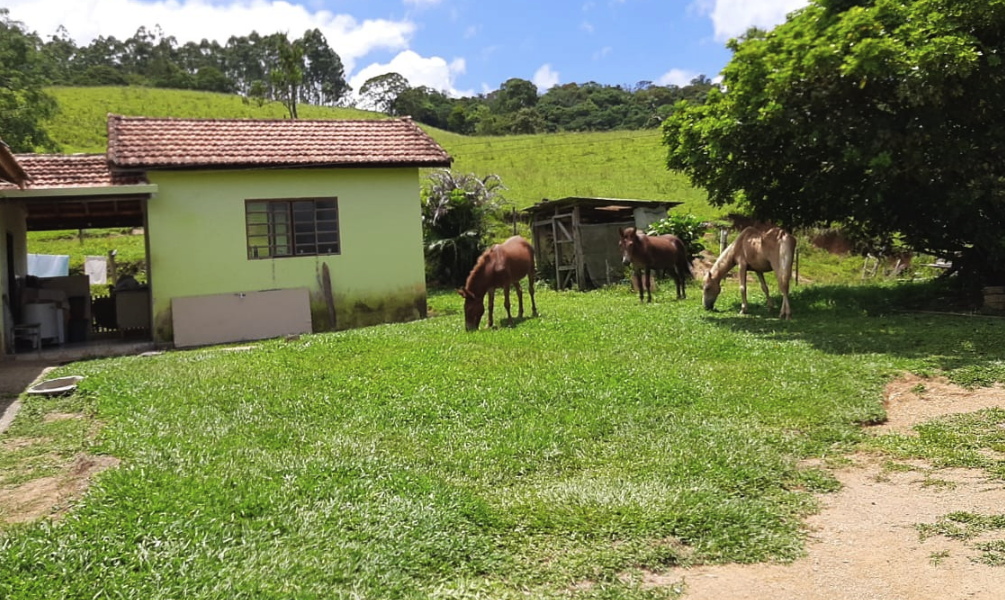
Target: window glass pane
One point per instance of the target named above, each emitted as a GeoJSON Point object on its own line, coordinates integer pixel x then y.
{"type": "Point", "coordinates": [257, 230]}
{"type": "Point", "coordinates": [303, 206]}
{"type": "Point", "coordinates": [330, 226]}
{"type": "Point", "coordinates": [279, 230]}
{"type": "Point", "coordinates": [328, 248]}
{"type": "Point", "coordinates": [326, 204]}
{"type": "Point", "coordinates": [304, 227]}
{"type": "Point", "coordinates": [327, 237]}
{"type": "Point", "coordinates": [327, 215]}
{"type": "Point", "coordinates": [256, 206]}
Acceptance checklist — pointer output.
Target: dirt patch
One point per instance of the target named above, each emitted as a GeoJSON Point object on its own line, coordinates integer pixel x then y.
{"type": "Point", "coordinates": [912, 400]}
{"type": "Point", "coordinates": [52, 496]}
{"type": "Point", "coordinates": [864, 542]}
{"type": "Point", "coordinates": [60, 416]}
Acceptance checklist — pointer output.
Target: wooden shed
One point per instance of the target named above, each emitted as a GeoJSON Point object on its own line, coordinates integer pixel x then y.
{"type": "Point", "coordinates": [576, 238]}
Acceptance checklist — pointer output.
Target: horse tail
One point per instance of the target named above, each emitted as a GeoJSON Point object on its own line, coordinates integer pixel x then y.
{"type": "Point", "coordinates": [683, 260]}
{"type": "Point", "coordinates": [787, 252]}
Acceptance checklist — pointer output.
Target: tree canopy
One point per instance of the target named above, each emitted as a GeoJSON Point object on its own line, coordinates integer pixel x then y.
{"type": "Point", "coordinates": [881, 115]}
{"type": "Point", "coordinates": [24, 104]}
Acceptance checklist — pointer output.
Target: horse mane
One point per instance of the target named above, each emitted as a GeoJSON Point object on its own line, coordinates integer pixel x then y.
{"type": "Point", "coordinates": [479, 267]}
{"type": "Point", "coordinates": [725, 262]}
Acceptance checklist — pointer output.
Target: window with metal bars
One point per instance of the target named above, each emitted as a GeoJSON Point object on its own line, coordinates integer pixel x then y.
{"type": "Point", "coordinates": [295, 227]}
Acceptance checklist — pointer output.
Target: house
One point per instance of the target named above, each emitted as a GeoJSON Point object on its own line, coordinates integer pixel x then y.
{"type": "Point", "coordinates": [253, 228]}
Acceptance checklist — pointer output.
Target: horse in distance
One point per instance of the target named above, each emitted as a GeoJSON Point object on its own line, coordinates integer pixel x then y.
{"type": "Point", "coordinates": [649, 252]}
{"type": "Point", "coordinates": [760, 252]}
{"type": "Point", "coordinates": [503, 265]}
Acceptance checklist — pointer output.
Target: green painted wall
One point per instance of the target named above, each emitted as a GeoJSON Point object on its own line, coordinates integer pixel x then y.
{"type": "Point", "coordinates": [198, 245]}
{"type": "Point", "coordinates": [12, 220]}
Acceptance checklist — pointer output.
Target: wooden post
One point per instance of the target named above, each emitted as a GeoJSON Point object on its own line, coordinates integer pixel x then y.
{"type": "Point", "coordinates": [578, 246]}
{"type": "Point", "coordinates": [113, 272]}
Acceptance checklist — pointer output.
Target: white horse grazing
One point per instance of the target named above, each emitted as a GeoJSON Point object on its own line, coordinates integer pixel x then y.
{"type": "Point", "coordinates": [760, 252]}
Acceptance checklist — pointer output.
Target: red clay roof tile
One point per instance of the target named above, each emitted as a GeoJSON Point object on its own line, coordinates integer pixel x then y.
{"type": "Point", "coordinates": [164, 143]}
{"type": "Point", "coordinates": [48, 171]}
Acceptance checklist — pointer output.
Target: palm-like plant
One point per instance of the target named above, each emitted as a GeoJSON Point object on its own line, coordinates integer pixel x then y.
{"type": "Point", "coordinates": [456, 210]}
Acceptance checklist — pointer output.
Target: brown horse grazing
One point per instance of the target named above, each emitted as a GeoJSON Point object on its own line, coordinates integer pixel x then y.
{"type": "Point", "coordinates": [760, 252]}
{"type": "Point", "coordinates": [649, 252]}
{"type": "Point", "coordinates": [502, 265]}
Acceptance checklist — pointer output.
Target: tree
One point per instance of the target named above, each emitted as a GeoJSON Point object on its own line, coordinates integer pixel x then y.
{"type": "Point", "coordinates": [324, 76]}
{"type": "Point", "coordinates": [382, 91]}
{"type": "Point", "coordinates": [24, 104]}
{"type": "Point", "coordinates": [287, 74]}
{"type": "Point", "coordinates": [456, 211]}
{"type": "Point", "coordinates": [513, 95]}
{"type": "Point", "coordinates": [880, 115]}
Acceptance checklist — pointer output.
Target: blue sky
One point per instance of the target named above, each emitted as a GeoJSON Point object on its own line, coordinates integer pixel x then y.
{"type": "Point", "coordinates": [461, 47]}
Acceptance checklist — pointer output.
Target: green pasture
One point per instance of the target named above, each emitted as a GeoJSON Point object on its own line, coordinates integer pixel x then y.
{"type": "Point", "coordinates": [565, 457]}
{"type": "Point", "coordinates": [623, 164]}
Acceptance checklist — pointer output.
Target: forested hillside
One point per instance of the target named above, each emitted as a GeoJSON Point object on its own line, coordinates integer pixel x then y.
{"type": "Point", "coordinates": [297, 72]}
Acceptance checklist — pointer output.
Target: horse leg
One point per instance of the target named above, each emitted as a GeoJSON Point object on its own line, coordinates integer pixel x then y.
{"type": "Point", "coordinates": [641, 284]}
{"type": "Point", "coordinates": [764, 288]}
{"type": "Point", "coordinates": [519, 297]}
{"type": "Point", "coordinates": [743, 289]}
{"type": "Point", "coordinates": [783, 286]}
{"type": "Point", "coordinates": [678, 278]}
{"type": "Point", "coordinates": [530, 284]}
{"type": "Point", "coordinates": [492, 304]}
{"type": "Point", "coordinates": [649, 284]}
{"type": "Point", "coordinates": [506, 304]}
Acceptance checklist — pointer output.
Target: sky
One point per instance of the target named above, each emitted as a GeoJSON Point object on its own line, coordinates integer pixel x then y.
{"type": "Point", "coordinates": [460, 47]}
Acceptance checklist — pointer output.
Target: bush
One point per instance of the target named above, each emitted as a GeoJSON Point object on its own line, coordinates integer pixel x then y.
{"type": "Point", "coordinates": [689, 228]}
{"type": "Point", "coordinates": [456, 219]}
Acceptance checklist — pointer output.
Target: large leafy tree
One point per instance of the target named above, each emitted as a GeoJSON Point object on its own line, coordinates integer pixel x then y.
{"type": "Point", "coordinates": [24, 104]}
{"type": "Point", "coordinates": [881, 115]}
{"type": "Point", "coordinates": [382, 91]}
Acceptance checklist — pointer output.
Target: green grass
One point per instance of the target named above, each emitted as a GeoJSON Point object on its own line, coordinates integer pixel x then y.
{"type": "Point", "coordinates": [563, 457]}
{"type": "Point", "coordinates": [82, 122]}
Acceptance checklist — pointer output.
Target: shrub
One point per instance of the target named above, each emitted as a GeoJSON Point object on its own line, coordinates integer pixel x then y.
{"type": "Point", "coordinates": [689, 228]}
{"type": "Point", "coordinates": [456, 219]}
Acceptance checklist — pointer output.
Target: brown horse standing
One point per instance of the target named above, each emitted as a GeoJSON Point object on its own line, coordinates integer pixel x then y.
{"type": "Point", "coordinates": [760, 252]}
{"type": "Point", "coordinates": [650, 252]}
{"type": "Point", "coordinates": [502, 265]}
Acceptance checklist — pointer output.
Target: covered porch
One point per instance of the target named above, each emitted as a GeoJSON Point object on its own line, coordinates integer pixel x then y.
{"type": "Point", "coordinates": [59, 319]}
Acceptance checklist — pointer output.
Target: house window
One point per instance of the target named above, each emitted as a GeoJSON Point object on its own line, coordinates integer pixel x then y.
{"type": "Point", "coordinates": [300, 227]}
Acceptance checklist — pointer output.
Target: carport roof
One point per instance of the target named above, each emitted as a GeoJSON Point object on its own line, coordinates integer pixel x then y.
{"type": "Point", "coordinates": [60, 171]}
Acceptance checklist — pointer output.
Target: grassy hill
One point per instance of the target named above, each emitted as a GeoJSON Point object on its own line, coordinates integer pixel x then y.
{"type": "Point", "coordinates": [623, 164]}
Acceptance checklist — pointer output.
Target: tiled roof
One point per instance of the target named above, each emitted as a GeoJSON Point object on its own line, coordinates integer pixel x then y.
{"type": "Point", "coordinates": [151, 143]}
{"type": "Point", "coordinates": [49, 171]}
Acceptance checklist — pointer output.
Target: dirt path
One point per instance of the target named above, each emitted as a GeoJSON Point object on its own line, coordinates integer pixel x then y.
{"type": "Point", "coordinates": [864, 543]}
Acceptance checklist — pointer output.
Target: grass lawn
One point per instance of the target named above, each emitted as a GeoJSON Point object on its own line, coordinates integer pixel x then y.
{"type": "Point", "coordinates": [560, 458]}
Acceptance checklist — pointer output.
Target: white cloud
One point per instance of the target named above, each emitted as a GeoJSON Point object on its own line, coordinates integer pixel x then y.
{"type": "Point", "coordinates": [678, 77]}
{"type": "Point", "coordinates": [195, 20]}
{"type": "Point", "coordinates": [544, 78]}
{"type": "Point", "coordinates": [586, 26]}
{"type": "Point", "coordinates": [603, 53]}
{"type": "Point", "coordinates": [433, 72]}
{"type": "Point", "coordinates": [731, 18]}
